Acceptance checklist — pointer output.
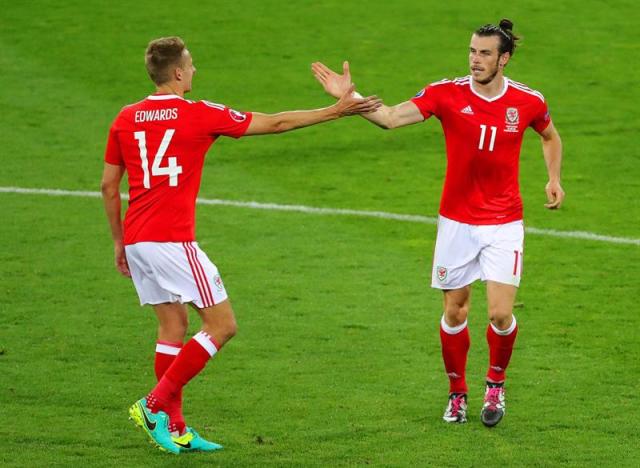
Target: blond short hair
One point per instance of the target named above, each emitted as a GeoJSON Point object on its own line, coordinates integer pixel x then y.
{"type": "Point", "coordinates": [161, 56]}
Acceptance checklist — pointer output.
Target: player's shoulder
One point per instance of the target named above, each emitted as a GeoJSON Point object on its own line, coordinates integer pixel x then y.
{"type": "Point", "coordinates": [127, 108]}
{"type": "Point", "coordinates": [221, 111]}
{"type": "Point", "coordinates": [210, 105]}
{"type": "Point", "coordinates": [451, 82]}
{"type": "Point", "coordinates": [445, 85]}
{"type": "Point", "coordinates": [209, 108]}
{"type": "Point", "coordinates": [524, 90]}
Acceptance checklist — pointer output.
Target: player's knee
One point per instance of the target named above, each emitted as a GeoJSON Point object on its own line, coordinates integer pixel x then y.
{"type": "Point", "coordinates": [224, 329]}
{"type": "Point", "coordinates": [500, 318]}
{"type": "Point", "coordinates": [231, 328]}
{"type": "Point", "coordinates": [456, 314]}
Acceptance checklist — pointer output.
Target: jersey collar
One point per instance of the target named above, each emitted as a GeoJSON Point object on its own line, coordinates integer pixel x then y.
{"type": "Point", "coordinates": [505, 86]}
{"type": "Point", "coordinates": [163, 97]}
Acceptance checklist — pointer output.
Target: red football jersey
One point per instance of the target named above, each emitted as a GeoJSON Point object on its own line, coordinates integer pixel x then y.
{"type": "Point", "coordinates": [162, 142]}
{"type": "Point", "coordinates": [483, 138]}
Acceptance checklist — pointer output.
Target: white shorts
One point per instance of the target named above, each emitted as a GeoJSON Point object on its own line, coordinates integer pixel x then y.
{"type": "Point", "coordinates": [174, 272]}
{"type": "Point", "coordinates": [465, 253]}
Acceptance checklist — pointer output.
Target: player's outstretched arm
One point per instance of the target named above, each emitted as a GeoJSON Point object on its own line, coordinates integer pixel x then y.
{"type": "Point", "coordinates": [110, 187]}
{"type": "Point", "coordinates": [552, 150]}
{"type": "Point", "coordinates": [405, 113]}
{"type": "Point", "coordinates": [262, 124]}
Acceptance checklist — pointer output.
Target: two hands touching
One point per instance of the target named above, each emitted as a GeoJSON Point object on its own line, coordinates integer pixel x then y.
{"type": "Point", "coordinates": [335, 85]}
{"type": "Point", "coordinates": [341, 88]}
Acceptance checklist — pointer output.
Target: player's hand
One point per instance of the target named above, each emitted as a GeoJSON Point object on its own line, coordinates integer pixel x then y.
{"type": "Point", "coordinates": [333, 84]}
{"type": "Point", "coordinates": [555, 195]}
{"type": "Point", "coordinates": [121, 259]}
{"type": "Point", "coordinates": [350, 105]}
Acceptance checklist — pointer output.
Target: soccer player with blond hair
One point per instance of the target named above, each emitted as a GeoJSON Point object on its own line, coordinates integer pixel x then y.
{"type": "Point", "coordinates": [160, 142]}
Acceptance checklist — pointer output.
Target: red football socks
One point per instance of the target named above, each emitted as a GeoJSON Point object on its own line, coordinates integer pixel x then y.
{"type": "Point", "coordinates": [166, 353]}
{"type": "Point", "coordinates": [455, 346]}
{"type": "Point", "coordinates": [188, 363]}
{"type": "Point", "coordinates": [500, 349]}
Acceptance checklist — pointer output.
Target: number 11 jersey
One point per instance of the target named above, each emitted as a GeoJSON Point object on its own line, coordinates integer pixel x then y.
{"type": "Point", "coordinates": [483, 138]}
{"type": "Point", "coordinates": [162, 141]}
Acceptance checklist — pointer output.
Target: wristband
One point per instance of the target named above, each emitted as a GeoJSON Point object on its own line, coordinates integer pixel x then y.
{"type": "Point", "coordinates": [356, 94]}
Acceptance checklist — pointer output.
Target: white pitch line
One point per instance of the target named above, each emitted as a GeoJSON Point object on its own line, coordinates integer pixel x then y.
{"type": "Point", "coordinates": [584, 235]}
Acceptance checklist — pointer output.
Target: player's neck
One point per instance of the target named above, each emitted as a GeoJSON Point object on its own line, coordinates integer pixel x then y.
{"type": "Point", "coordinates": [170, 88]}
{"type": "Point", "coordinates": [490, 89]}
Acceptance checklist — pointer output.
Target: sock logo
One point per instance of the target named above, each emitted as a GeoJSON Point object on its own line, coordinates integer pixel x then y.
{"type": "Point", "coordinates": [453, 375]}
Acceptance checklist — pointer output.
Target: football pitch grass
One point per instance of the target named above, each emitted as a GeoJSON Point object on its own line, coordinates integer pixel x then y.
{"type": "Point", "coordinates": [337, 360]}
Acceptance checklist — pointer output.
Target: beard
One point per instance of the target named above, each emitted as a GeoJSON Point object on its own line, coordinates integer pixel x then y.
{"type": "Point", "coordinates": [491, 76]}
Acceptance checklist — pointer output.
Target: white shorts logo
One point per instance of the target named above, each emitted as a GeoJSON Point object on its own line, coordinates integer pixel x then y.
{"type": "Point", "coordinates": [218, 283]}
{"type": "Point", "coordinates": [442, 273]}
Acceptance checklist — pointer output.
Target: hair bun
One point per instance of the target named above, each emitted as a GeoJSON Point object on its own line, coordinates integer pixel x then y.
{"type": "Point", "coordinates": [506, 24]}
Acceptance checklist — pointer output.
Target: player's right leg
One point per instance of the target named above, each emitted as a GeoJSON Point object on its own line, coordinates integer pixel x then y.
{"type": "Point", "coordinates": [455, 267]}
{"type": "Point", "coordinates": [454, 339]}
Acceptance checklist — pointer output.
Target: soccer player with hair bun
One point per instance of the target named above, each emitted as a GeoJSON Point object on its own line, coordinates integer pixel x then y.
{"type": "Point", "coordinates": [480, 229]}
{"type": "Point", "coordinates": [161, 142]}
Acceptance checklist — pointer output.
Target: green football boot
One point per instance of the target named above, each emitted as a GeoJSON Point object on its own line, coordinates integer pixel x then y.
{"type": "Point", "coordinates": [156, 425]}
{"type": "Point", "coordinates": [191, 441]}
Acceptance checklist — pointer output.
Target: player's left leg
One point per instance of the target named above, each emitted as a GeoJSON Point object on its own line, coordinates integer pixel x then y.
{"type": "Point", "coordinates": [501, 335]}
{"type": "Point", "coordinates": [173, 321]}
{"type": "Point", "coordinates": [501, 264]}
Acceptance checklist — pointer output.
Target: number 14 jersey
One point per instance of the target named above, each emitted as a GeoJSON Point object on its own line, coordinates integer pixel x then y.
{"type": "Point", "coordinates": [483, 139]}
{"type": "Point", "coordinates": [162, 141]}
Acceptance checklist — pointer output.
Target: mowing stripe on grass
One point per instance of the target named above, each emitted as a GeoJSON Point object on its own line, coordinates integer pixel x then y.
{"type": "Point", "coordinates": [331, 212]}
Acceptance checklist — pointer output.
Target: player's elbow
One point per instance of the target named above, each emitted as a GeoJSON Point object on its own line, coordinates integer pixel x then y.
{"type": "Point", "coordinates": [280, 126]}
{"type": "Point", "coordinates": [388, 125]}
{"type": "Point", "coordinates": [389, 122]}
{"type": "Point", "coordinates": [108, 189]}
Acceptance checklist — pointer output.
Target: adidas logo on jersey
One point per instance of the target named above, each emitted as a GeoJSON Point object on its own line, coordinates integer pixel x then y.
{"type": "Point", "coordinates": [467, 110]}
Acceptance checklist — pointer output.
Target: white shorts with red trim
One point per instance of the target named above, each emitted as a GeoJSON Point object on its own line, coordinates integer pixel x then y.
{"type": "Point", "coordinates": [465, 253]}
{"type": "Point", "coordinates": [174, 272]}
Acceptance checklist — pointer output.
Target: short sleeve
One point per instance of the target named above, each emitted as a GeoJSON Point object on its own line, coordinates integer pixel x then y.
{"type": "Point", "coordinates": [113, 154]}
{"type": "Point", "coordinates": [427, 101]}
{"type": "Point", "coordinates": [218, 119]}
{"type": "Point", "coordinates": [541, 119]}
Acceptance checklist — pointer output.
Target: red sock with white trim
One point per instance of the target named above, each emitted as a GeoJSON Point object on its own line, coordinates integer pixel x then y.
{"type": "Point", "coordinates": [500, 349]}
{"type": "Point", "coordinates": [455, 347]}
{"type": "Point", "coordinates": [190, 361]}
{"type": "Point", "coordinates": [166, 353]}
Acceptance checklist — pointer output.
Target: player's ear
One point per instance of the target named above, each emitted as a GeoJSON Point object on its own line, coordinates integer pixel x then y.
{"type": "Point", "coordinates": [504, 58]}
{"type": "Point", "coordinates": [177, 73]}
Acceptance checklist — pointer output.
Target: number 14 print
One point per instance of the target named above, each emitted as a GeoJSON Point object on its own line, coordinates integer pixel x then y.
{"type": "Point", "coordinates": [171, 169]}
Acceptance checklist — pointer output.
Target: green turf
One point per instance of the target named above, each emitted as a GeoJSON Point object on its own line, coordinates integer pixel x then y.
{"type": "Point", "coordinates": [337, 361]}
